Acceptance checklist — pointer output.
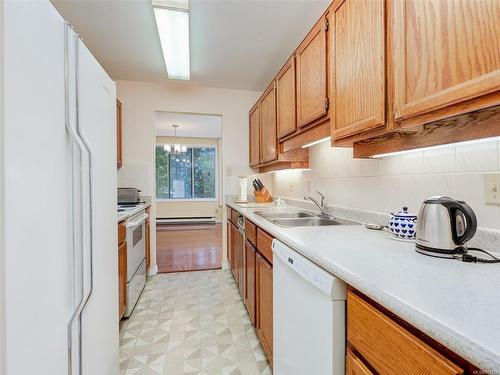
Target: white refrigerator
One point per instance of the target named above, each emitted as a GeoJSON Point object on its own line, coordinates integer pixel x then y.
{"type": "Point", "coordinates": [59, 307]}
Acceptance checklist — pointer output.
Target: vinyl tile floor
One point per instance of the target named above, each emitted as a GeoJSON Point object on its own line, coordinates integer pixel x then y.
{"type": "Point", "coordinates": [191, 323]}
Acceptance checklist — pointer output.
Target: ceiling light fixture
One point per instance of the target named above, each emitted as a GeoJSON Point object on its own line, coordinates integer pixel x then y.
{"type": "Point", "coordinates": [176, 148]}
{"type": "Point", "coordinates": [316, 142]}
{"type": "Point", "coordinates": [172, 22]}
{"type": "Point", "coordinates": [464, 143]}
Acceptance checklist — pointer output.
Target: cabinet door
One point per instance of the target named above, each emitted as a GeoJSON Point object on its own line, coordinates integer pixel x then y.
{"type": "Point", "coordinates": [228, 241]}
{"type": "Point", "coordinates": [268, 140]}
{"type": "Point", "coordinates": [250, 280]}
{"type": "Point", "coordinates": [285, 99]}
{"type": "Point", "coordinates": [310, 60]}
{"type": "Point", "coordinates": [255, 136]}
{"type": "Point", "coordinates": [234, 265]}
{"type": "Point", "coordinates": [358, 67]}
{"type": "Point", "coordinates": [148, 242]}
{"type": "Point", "coordinates": [354, 365]}
{"type": "Point", "coordinates": [119, 152]}
{"type": "Point", "coordinates": [122, 278]}
{"type": "Point", "coordinates": [240, 255]}
{"type": "Point", "coordinates": [445, 52]}
{"type": "Point", "coordinates": [264, 285]}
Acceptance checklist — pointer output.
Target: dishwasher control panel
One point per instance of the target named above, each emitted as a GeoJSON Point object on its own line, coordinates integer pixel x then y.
{"type": "Point", "coordinates": [310, 271]}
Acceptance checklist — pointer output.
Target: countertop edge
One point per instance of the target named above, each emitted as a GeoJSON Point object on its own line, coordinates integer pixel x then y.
{"type": "Point", "coordinates": [461, 345]}
{"type": "Point", "coordinates": [133, 212]}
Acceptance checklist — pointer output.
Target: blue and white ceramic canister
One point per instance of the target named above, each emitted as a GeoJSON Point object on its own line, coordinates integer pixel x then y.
{"type": "Point", "coordinates": [403, 224]}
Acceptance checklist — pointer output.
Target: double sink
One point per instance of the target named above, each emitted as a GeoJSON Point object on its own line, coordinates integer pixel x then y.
{"type": "Point", "coordinates": [301, 219]}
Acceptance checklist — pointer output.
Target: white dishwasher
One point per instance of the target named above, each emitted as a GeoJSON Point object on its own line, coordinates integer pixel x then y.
{"type": "Point", "coordinates": [309, 316]}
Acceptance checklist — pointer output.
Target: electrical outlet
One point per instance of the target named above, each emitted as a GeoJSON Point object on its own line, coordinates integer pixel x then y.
{"type": "Point", "coordinates": [291, 186]}
{"type": "Point", "coordinates": [492, 188]}
{"type": "Point", "coordinates": [229, 171]}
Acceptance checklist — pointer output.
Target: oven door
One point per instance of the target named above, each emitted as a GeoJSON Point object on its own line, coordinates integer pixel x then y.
{"type": "Point", "coordinates": [135, 243]}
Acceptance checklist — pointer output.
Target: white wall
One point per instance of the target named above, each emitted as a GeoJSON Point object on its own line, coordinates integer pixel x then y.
{"type": "Point", "coordinates": [388, 184]}
{"type": "Point", "coordinates": [140, 101]}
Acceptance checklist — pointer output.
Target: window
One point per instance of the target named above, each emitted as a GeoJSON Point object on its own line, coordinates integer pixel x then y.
{"type": "Point", "coordinates": [186, 175]}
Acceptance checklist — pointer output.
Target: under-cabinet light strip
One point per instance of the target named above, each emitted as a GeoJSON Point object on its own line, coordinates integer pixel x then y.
{"type": "Point", "coordinates": [475, 141]}
{"type": "Point", "coordinates": [316, 142]}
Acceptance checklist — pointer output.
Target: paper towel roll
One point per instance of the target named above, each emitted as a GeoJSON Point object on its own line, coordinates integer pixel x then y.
{"type": "Point", "coordinates": [242, 196]}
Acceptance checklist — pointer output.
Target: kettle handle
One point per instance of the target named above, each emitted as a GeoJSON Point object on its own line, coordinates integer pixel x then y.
{"type": "Point", "coordinates": [470, 219]}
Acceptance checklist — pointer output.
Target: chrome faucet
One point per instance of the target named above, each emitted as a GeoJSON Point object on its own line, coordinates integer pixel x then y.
{"type": "Point", "coordinates": [321, 205]}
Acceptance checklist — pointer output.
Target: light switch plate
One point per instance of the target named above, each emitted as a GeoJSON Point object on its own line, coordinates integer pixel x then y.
{"type": "Point", "coordinates": [492, 188]}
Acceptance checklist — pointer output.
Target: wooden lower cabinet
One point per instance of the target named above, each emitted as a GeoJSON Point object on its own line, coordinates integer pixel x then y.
{"type": "Point", "coordinates": [229, 240]}
{"type": "Point", "coordinates": [264, 294]}
{"type": "Point", "coordinates": [148, 240]}
{"type": "Point", "coordinates": [388, 347]}
{"type": "Point", "coordinates": [355, 366]}
{"type": "Point", "coordinates": [253, 274]}
{"type": "Point", "coordinates": [249, 298]}
{"type": "Point", "coordinates": [234, 261]}
{"type": "Point", "coordinates": [122, 270]}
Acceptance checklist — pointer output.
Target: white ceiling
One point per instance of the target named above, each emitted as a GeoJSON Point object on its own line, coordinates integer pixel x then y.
{"type": "Point", "coordinates": [236, 44]}
{"type": "Point", "coordinates": [190, 125]}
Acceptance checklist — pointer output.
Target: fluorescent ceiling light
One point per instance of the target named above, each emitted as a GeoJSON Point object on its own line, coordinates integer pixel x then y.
{"type": "Point", "coordinates": [316, 142]}
{"type": "Point", "coordinates": [172, 21]}
{"type": "Point", "coordinates": [475, 141]}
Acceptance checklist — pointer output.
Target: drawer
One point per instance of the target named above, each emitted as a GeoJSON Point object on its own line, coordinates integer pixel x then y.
{"type": "Point", "coordinates": [265, 245]}
{"type": "Point", "coordinates": [251, 232]}
{"type": "Point", "coordinates": [388, 347]}
{"type": "Point", "coordinates": [122, 233]}
{"type": "Point", "coordinates": [354, 365]}
{"type": "Point", "coordinates": [228, 212]}
{"type": "Point", "coordinates": [234, 216]}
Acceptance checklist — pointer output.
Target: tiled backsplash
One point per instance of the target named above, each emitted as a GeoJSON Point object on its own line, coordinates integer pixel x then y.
{"type": "Point", "coordinates": [389, 183]}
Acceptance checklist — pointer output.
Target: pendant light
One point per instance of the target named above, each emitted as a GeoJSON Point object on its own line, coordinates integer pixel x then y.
{"type": "Point", "coordinates": [176, 148]}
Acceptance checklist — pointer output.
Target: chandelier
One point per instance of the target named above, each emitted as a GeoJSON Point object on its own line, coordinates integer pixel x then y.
{"type": "Point", "coordinates": [175, 148]}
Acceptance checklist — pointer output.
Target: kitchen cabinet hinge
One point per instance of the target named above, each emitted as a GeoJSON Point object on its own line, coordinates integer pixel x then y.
{"type": "Point", "coordinates": [327, 24]}
{"type": "Point", "coordinates": [327, 103]}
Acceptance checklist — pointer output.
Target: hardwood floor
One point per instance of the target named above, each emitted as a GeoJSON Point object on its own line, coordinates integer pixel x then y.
{"type": "Point", "coordinates": [191, 247]}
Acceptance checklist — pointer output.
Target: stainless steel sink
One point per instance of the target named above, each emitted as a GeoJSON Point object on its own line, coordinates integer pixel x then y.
{"type": "Point", "coordinates": [314, 221]}
{"type": "Point", "coordinates": [272, 215]}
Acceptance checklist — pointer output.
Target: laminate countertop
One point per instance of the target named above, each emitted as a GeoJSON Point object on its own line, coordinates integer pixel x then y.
{"type": "Point", "coordinates": [455, 303]}
{"type": "Point", "coordinates": [123, 215]}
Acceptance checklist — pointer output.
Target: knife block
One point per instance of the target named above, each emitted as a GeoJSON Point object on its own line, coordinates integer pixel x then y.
{"type": "Point", "coordinates": [263, 196]}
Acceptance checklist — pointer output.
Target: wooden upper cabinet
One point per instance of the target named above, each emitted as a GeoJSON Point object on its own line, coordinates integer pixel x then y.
{"type": "Point", "coordinates": [119, 152]}
{"type": "Point", "coordinates": [255, 135]}
{"type": "Point", "coordinates": [268, 139]}
{"type": "Point", "coordinates": [357, 67]}
{"type": "Point", "coordinates": [285, 97]}
{"type": "Point", "coordinates": [444, 53]}
{"type": "Point", "coordinates": [311, 76]}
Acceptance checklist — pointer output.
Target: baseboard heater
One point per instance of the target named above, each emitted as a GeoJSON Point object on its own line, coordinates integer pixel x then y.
{"type": "Point", "coordinates": [186, 220]}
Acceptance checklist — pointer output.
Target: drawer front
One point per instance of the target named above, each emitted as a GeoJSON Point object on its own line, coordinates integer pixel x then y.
{"type": "Point", "coordinates": [122, 233]}
{"type": "Point", "coordinates": [229, 210]}
{"type": "Point", "coordinates": [234, 217]}
{"type": "Point", "coordinates": [388, 347]}
{"type": "Point", "coordinates": [265, 245]}
{"type": "Point", "coordinates": [251, 232]}
{"type": "Point", "coordinates": [354, 365]}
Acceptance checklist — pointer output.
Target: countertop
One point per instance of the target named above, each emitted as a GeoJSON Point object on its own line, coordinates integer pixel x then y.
{"type": "Point", "coordinates": [456, 303]}
{"type": "Point", "coordinates": [127, 213]}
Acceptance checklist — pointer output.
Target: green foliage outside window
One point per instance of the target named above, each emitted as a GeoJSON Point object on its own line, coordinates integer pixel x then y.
{"type": "Point", "coordinates": [191, 174]}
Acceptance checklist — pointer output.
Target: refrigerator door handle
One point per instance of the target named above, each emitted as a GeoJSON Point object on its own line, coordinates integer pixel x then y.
{"type": "Point", "coordinates": [75, 338]}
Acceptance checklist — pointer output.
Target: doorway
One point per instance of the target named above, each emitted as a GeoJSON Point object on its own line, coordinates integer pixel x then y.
{"type": "Point", "coordinates": [188, 191]}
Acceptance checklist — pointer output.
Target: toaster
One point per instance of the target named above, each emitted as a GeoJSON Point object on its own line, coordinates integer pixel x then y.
{"type": "Point", "coordinates": [128, 195]}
